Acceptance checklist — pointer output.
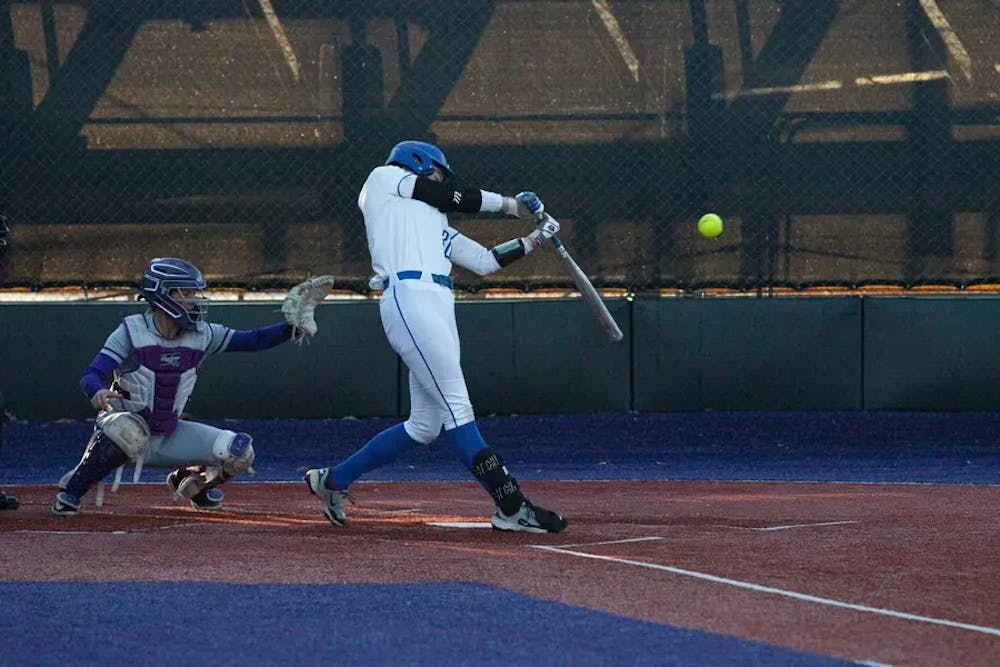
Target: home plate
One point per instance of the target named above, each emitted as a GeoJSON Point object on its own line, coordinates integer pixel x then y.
{"type": "Point", "coordinates": [460, 524]}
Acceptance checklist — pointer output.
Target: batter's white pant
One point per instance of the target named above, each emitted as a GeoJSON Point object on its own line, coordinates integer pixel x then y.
{"type": "Point", "coordinates": [419, 320]}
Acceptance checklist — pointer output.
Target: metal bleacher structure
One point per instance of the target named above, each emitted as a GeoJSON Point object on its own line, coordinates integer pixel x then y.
{"type": "Point", "coordinates": [849, 145]}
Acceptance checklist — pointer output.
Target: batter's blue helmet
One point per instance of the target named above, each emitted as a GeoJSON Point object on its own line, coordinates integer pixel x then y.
{"type": "Point", "coordinates": [169, 273]}
{"type": "Point", "coordinates": [419, 157]}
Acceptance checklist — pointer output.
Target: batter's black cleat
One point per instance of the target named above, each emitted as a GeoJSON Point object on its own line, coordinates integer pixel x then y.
{"type": "Point", "coordinates": [8, 502]}
{"type": "Point", "coordinates": [331, 499]}
{"type": "Point", "coordinates": [529, 519]}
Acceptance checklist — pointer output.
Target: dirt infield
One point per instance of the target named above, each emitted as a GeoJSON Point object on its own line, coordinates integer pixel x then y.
{"type": "Point", "coordinates": [884, 573]}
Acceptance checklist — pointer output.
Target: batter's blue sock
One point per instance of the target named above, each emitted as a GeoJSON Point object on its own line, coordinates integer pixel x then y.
{"type": "Point", "coordinates": [378, 451]}
{"type": "Point", "coordinates": [466, 442]}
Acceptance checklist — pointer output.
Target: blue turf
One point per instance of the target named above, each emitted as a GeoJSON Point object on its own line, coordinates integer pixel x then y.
{"type": "Point", "coordinates": [418, 624]}
{"type": "Point", "coordinates": [847, 446]}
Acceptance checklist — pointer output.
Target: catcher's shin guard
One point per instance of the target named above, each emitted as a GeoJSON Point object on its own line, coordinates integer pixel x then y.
{"type": "Point", "coordinates": [491, 472]}
{"type": "Point", "coordinates": [101, 457]}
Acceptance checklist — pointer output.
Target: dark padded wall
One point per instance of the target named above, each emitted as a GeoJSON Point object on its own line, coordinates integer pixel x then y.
{"type": "Point", "coordinates": [347, 370]}
{"type": "Point", "coordinates": [926, 353]}
{"type": "Point", "coordinates": [548, 356]}
{"type": "Point", "coordinates": [747, 354]}
{"type": "Point", "coordinates": [519, 357]}
{"type": "Point", "coordinates": [43, 351]}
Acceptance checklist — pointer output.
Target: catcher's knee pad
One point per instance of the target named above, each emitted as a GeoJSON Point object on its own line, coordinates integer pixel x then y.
{"type": "Point", "coordinates": [127, 430]}
{"type": "Point", "coordinates": [234, 452]}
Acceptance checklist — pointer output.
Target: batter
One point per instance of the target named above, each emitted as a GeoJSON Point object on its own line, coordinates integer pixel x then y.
{"type": "Point", "coordinates": [405, 205]}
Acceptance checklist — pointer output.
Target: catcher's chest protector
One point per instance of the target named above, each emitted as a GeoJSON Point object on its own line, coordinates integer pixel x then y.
{"type": "Point", "coordinates": [168, 369]}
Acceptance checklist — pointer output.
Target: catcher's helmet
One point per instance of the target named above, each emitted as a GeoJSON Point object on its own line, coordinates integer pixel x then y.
{"type": "Point", "coordinates": [169, 273]}
{"type": "Point", "coordinates": [419, 157]}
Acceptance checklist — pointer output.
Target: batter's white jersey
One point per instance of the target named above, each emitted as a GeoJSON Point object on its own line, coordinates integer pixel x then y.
{"type": "Point", "coordinates": [406, 234]}
{"type": "Point", "coordinates": [413, 246]}
{"type": "Point", "coordinates": [403, 234]}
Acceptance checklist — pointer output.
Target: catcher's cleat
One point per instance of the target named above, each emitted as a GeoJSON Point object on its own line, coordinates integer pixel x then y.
{"type": "Point", "coordinates": [8, 502]}
{"type": "Point", "coordinates": [66, 504]}
{"type": "Point", "coordinates": [191, 483]}
{"type": "Point", "coordinates": [186, 482]}
{"type": "Point", "coordinates": [207, 499]}
{"type": "Point", "coordinates": [332, 499]}
{"type": "Point", "coordinates": [529, 519]}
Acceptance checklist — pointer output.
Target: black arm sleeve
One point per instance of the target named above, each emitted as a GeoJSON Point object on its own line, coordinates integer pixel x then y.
{"type": "Point", "coordinates": [447, 197]}
{"type": "Point", "coordinates": [508, 252]}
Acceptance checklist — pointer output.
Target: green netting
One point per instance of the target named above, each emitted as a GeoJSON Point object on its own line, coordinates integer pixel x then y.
{"type": "Point", "coordinates": [845, 143]}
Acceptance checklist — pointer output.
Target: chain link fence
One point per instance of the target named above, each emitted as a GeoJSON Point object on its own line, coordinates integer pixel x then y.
{"type": "Point", "coordinates": [844, 143]}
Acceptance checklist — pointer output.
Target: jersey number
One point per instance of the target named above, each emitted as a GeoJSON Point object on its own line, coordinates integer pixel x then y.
{"type": "Point", "coordinates": [446, 242]}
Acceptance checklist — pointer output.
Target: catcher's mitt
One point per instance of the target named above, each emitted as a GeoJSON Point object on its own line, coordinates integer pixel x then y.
{"type": "Point", "coordinates": [300, 303]}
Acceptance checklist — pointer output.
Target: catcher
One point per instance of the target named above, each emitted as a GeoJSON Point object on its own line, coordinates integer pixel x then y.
{"type": "Point", "coordinates": [152, 361]}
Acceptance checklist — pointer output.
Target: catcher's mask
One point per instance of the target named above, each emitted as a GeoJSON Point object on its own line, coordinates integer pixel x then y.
{"type": "Point", "coordinates": [187, 305]}
{"type": "Point", "coordinates": [419, 157]}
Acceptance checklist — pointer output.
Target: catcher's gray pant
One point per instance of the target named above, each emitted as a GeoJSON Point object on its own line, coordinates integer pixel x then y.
{"type": "Point", "coordinates": [191, 443]}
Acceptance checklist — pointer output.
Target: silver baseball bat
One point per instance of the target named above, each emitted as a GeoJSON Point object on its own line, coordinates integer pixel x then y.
{"type": "Point", "coordinates": [587, 291]}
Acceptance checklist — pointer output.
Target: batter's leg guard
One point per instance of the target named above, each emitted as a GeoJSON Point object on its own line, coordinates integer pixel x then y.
{"type": "Point", "coordinates": [514, 511]}
{"type": "Point", "coordinates": [100, 458]}
{"type": "Point", "coordinates": [489, 469]}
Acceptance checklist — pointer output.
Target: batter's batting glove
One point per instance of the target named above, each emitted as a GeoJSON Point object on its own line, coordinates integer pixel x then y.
{"type": "Point", "coordinates": [545, 230]}
{"type": "Point", "coordinates": [529, 205]}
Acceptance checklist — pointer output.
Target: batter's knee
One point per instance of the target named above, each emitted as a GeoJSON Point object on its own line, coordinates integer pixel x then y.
{"type": "Point", "coordinates": [460, 415]}
{"type": "Point", "coordinates": [422, 430]}
{"type": "Point", "coordinates": [234, 451]}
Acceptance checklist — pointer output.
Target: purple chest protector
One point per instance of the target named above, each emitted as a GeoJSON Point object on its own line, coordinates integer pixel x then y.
{"type": "Point", "coordinates": [161, 386]}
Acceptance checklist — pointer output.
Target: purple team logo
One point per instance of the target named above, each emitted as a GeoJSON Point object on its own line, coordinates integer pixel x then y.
{"type": "Point", "coordinates": [170, 359]}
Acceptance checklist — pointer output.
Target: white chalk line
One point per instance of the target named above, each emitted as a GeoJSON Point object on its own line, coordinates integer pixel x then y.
{"type": "Point", "coordinates": [776, 591]}
{"type": "Point", "coordinates": [459, 524]}
{"type": "Point", "coordinates": [951, 40]}
{"type": "Point", "coordinates": [803, 525]}
{"type": "Point", "coordinates": [618, 37]}
{"type": "Point", "coordinates": [624, 541]}
{"type": "Point", "coordinates": [134, 531]}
